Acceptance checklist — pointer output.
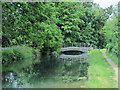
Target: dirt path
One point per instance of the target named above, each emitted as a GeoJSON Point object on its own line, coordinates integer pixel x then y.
{"type": "Point", "coordinates": [115, 67]}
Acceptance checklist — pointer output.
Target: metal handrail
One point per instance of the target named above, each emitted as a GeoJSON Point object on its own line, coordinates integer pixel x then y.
{"type": "Point", "coordinates": [76, 44]}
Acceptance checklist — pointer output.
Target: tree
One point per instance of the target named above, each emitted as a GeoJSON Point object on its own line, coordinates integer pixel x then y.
{"type": "Point", "coordinates": [111, 32]}
{"type": "Point", "coordinates": [80, 23]}
{"type": "Point", "coordinates": [45, 25]}
{"type": "Point", "coordinates": [31, 23]}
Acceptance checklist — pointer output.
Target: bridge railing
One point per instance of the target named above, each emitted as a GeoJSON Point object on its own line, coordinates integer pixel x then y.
{"type": "Point", "coordinates": [78, 45]}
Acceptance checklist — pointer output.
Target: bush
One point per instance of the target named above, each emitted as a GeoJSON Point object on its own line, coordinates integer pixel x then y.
{"type": "Point", "coordinates": [17, 57]}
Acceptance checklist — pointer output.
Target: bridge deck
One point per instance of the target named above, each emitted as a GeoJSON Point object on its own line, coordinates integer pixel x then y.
{"type": "Point", "coordinates": [83, 49]}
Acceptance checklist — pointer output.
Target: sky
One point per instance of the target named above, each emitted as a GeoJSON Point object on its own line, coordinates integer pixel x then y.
{"type": "Point", "coordinates": [106, 3]}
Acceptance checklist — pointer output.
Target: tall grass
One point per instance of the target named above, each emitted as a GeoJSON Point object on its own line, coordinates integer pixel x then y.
{"type": "Point", "coordinates": [17, 57]}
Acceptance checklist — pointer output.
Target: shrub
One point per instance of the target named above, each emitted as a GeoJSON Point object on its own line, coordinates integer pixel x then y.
{"type": "Point", "coordinates": [17, 57]}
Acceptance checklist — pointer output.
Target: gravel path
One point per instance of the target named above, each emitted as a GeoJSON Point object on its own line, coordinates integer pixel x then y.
{"type": "Point", "coordinates": [115, 67]}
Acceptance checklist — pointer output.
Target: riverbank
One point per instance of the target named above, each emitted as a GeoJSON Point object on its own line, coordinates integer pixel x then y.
{"type": "Point", "coordinates": [101, 75]}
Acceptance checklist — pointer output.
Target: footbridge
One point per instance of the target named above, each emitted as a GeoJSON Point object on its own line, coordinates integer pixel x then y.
{"type": "Point", "coordinates": [82, 47]}
{"type": "Point", "coordinates": [72, 51]}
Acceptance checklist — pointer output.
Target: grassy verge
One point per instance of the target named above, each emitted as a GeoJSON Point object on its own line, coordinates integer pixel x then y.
{"type": "Point", "coordinates": [100, 72]}
{"type": "Point", "coordinates": [113, 57]}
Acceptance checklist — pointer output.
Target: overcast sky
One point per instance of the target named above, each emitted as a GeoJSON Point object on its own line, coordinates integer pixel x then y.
{"type": "Point", "coordinates": [106, 3]}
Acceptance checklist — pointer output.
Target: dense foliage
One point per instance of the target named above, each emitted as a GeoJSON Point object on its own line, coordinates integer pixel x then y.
{"type": "Point", "coordinates": [82, 23]}
{"type": "Point", "coordinates": [111, 33]}
{"type": "Point", "coordinates": [46, 25]}
{"type": "Point", "coordinates": [32, 24]}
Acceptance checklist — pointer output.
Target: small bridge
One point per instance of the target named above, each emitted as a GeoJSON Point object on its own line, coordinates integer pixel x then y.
{"type": "Point", "coordinates": [76, 47]}
{"type": "Point", "coordinates": [75, 51]}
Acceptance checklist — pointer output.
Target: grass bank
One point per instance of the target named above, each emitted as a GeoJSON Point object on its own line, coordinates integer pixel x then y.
{"type": "Point", "coordinates": [101, 74]}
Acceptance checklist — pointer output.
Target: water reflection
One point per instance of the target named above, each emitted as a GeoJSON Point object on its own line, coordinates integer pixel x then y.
{"type": "Point", "coordinates": [50, 67]}
{"type": "Point", "coordinates": [11, 80]}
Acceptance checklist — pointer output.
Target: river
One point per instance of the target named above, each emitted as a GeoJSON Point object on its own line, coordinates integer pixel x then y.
{"type": "Point", "coordinates": [52, 72]}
